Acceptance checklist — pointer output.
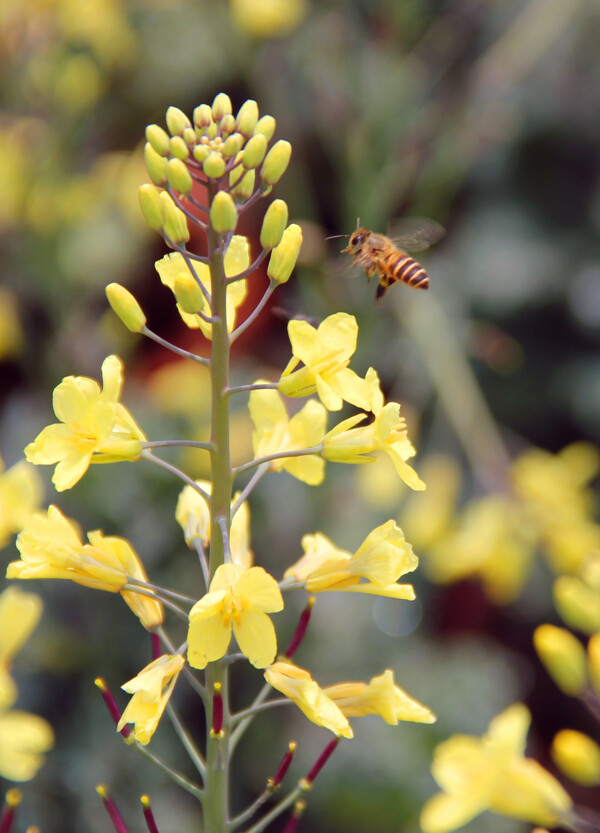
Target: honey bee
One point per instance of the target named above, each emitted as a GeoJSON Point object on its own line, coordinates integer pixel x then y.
{"type": "Point", "coordinates": [384, 257]}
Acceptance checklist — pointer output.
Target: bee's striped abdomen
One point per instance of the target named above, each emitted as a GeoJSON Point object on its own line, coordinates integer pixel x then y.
{"type": "Point", "coordinates": [402, 267]}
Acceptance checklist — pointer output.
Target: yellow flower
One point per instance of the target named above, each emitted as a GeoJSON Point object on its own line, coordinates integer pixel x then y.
{"type": "Point", "coordinates": [577, 598]}
{"type": "Point", "coordinates": [491, 541]}
{"type": "Point", "coordinates": [381, 559]}
{"type": "Point", "coordinates": [19, 614]}
{"type": "Point", "coordinates": [563, 656]}
{"type": "Point", "coordinates": [151, 690]}
{"type": "Point", "coordinates": [491, 773]}
{"type": "Point", "coordinates": [577, 756]}
{"type": "Point", "coordinates": [238, 601]}
{"type": "Point", "coordinates": [50, 547]}
{"type": "Point", "coordinates": [347, 444]}
{"type": "Point", "coordinates": [193, 515]}
{"type": "Point", "coordinates": [267, 18]}
{"type": "Point", "coordinates": [275, 432]}
{"type": "Point", "coordinates": [555, 494]}
{"type": "Point", "coordinates": [380, 696]}
{"type": "Point", "coordinates": [24, 738]}
{"type": "Point", "coordinates": [94, 427]}
{"type": "Point", "coordinates": [175, 274]}
{"type": "Point", "coordinates": [299, 686]}
{"type": "Point", "coordinates": [21, 493]}
{"type": "Point", "coordinates": [326, 353]}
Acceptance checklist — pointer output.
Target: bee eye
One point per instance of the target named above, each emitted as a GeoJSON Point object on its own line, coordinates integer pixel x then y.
{"type": "Point", "coordinates": [357, 239]}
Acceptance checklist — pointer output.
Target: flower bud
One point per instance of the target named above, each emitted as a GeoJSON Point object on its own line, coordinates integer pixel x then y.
{"type": "Point", "coordinates": [245, 187]}
{"type": "Point", "coordinates": [223, 213]}
{"type": "Point", "coordinates": [179, 177]}
{"type": "Point", "coordinates": [158, 138]}
{"type": "Point", "coordinates": [284, 256]}
{"type": "Point", "coordinates": [179, 148]}
{"type": "Point", "coordinates": [151, 206]}
{"type": "Point", "coordinates": [227, 125]}
{"type": "Point", "coordinates": [563, 656]}
{"type": "Point", "coordinates": [214, 165]}
{"type": "Point", "coordinates": [577, 604]}
{"type": "Point", "coordinates": [177, 121]}
{"type": "Point", "coordinates": [254, 152]}
{"type": "Point", "coordinates": [189, 136]}
{"type": "Point", "coordinates": [201, 153]}
{"type": "Point", "coordinates": [156, 165]}
{"type": "Point", "coordinates": [266, 126]}
{"type": "Point", "coordinates": [232, 145]}
{"type": "Point", "coordinates": [221, 106]}
{"type": "Point", "coordinates": [188, 294]}
{"type": "Point", "coordinates": [247, 117]}
{"type": "Point", "coordinates": [203, 116]}
{"type": "Point", "coordinates": [594, 661]}
{"type": "Point", "coordinates": [577, 756]}
{"type": "Point", "coordinates": [175, 225]}
{"type": "Point", "coordinates": [276, 217]}
{"type": "Point", "coordinates": [276, 161]}
{"type": "Point", "coordinates": [126, 307]}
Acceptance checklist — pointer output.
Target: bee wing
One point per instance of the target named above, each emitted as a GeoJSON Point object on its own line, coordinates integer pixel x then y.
{"type": "Point", "coordinates": [416, 233]}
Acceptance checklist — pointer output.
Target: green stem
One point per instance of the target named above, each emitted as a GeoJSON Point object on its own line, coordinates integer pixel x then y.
{"type": "Point", "coordinates": [217, 751]}
{"type": "Point", "coordinates": [277, 810]}
{"type": "Point", "coordinates": [173, 348]}
{"type": "Point", "coordinates": [279, 455]}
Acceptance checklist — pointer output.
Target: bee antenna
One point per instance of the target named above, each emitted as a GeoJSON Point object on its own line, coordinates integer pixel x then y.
{"type": "Point", "coordinates": [334, 236]}
{"type": "Point", "coordinates": [358, 222]}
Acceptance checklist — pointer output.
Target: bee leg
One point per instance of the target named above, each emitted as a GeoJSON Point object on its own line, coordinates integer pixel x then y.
{"type": "Point", "coordinates": [381, 290]}
{"type": "Point", "coordinates": [372, 272]}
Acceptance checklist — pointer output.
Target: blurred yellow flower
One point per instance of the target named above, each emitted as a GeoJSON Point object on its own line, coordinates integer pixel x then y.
{"type": "Point", "coordinates": [491, 773]}
{"type": "Point", "coordinates": [24, 739]}
{"type": "Point", "coordinates": [19, 614]}
{"type": "Point", "coordinates": [381, 559]}
{"type": "Point", "coordinates": [151, 690]}
{"type": "Point", "coordinates": [563, 656]}
{"type": "Point", "coordinates": [51, 547]}
{"type": "Point", "coordinates": [238, 600]}
{"type": "Point", "coordinates": [94, 427]}
{"type": "Point", "coordinates": [326, 353]}
{"type": "Point", "coordinates": [489, 541]}
{"type": "Point", "coordinates": [577, 598]}
{"type": "Point", "coordinates": [268, 18]}
{"type": "Point", "coordinates": [175, 274]}
{"type": "Point", "coordinates": [297, 684]}
{"type": "Point", "coordinates": [381, 697]}
{"type": "Point", "coordinates": [21, 493]}
{"type": "Point", "coordinates": [577, 756]}
{"type": "Point", "coordinates": [275, 432]}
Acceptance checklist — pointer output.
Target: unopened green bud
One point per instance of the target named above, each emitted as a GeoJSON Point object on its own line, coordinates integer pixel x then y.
{"type": "Point", "coordinates": [151, 206]}
{"type": "Point", "coordinates": [266, 126]}
{"type": "Point", "coordinates": [244, 188]}
{"type": "Point", "coordinates": [126, 307]}
{"type": "Point", "coordinates": [247, 117]}
{"type": "Point", "coordinates": [223, 213]}
{"type": "Point", "coordinates": [156, 165]}
{"type": "Point", "coordinates": [177, 121]}
{"type": "Point", "coordinates": [254, 152]}
{"type": "Point", "coordinates": [158, 138]}
{"type": "Point", "coordinates": [594, 661]}
{"type": "Point", "coordinates": [233, 144]}
{"type": "Point", "coordinates": [202, 116]}
{"type": "Point", "coordinates": [201, 153]}
{"type": "Point", "coordinates": [188, 294]}
{"type": "Point", "coordinates": [179, 148]}
{"type": "Point", "coordinates": [175, 224]}
{"type": "Point", "coordinates": [563, 656]}
{"type": "Point", "coordinates": [284, 256]}
{"type": "Point", "coordinates": [214, 165]}
{"type": "Point", "coordinates": [577, 756]}
{"type": "Point", "coordinates": [189, 136]}
{"type": "Point", "coordinates": [276, 217]}
{"type": "Point", "coordinates": [276, 161]}
{"type": "Point", "coordinates": [221, 106]}
{"type": "Point", "coordinates": [227, 125]}
{"type": "Point", "coordinates": [577, 603]}
{"type": "Point", "coordinates": [179, 177]}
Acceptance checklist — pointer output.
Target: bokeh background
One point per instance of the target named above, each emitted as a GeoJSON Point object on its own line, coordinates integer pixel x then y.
{"type": "Point", "coordinates": [481, 114]}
